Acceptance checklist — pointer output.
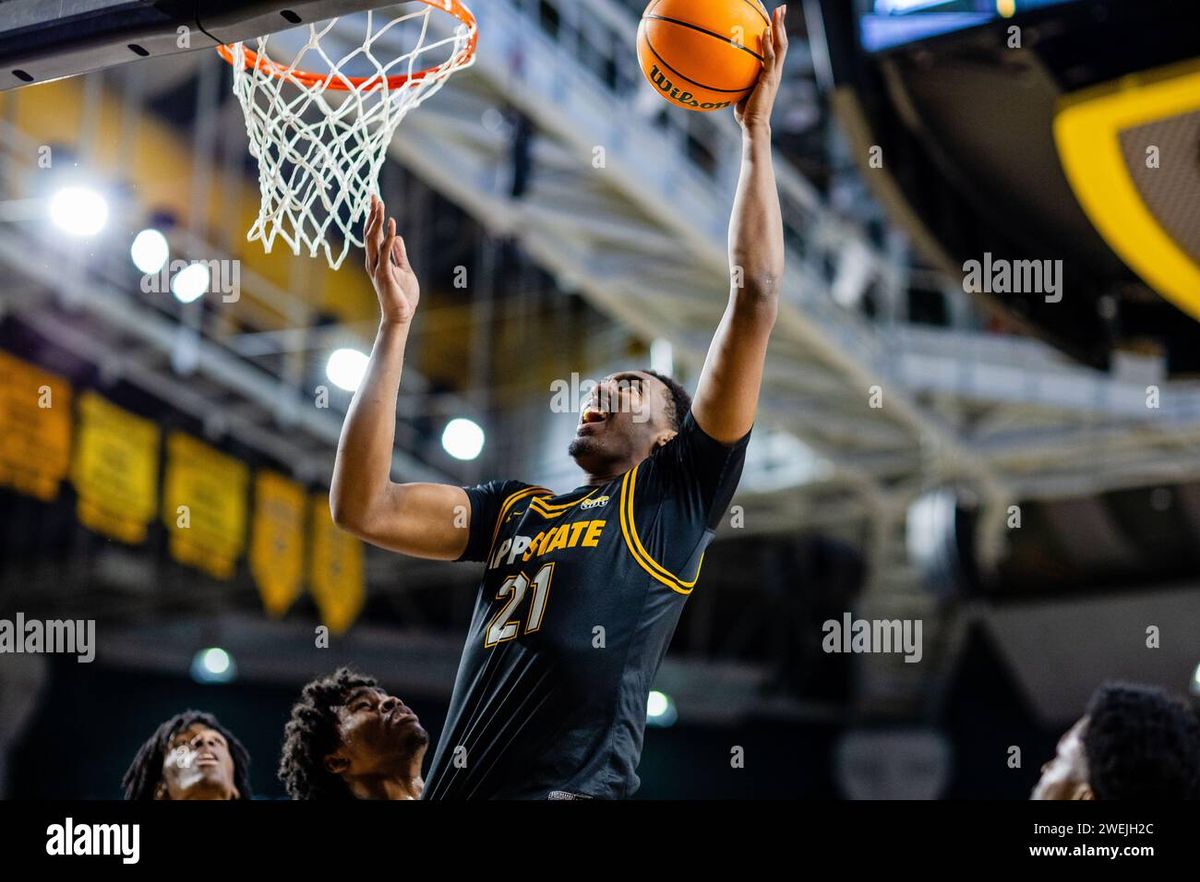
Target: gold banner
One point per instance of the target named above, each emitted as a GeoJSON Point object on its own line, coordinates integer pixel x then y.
{"type": "Point", "coordinates": [115, 469]}
{"type": "Point", "coordinates": [277, 547]}
{"type": "Point", "coordinates": [337, 569]}
{"type": "Point", "coordinates": [35, 428]}
{"type": "Point", "coordinates": [204, 505]}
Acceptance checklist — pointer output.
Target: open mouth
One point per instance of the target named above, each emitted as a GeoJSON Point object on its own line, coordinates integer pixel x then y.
{"type": "Point", "coordinates": [592, 414]}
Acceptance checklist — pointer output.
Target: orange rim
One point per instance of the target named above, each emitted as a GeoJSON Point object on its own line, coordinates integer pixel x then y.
{"type": "Point", "coordinates": [353, 84]}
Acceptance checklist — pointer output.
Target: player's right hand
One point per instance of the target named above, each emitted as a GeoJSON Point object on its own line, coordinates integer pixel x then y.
{"type": "Point", "coordinates": [755, 109]}
{"type": "Point", "coordinates": [387, 264]}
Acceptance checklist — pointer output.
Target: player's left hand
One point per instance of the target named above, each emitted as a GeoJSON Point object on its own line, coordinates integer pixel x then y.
{"type": "Point", "coordinates": [755, 108]}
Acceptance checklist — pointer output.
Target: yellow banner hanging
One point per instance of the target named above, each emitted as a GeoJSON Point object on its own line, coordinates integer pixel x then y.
{"type": "Point", "coordinates": [204, 505]}
{"type": "Point", "coordinates": [337, 569]}
{"type": "Point", "coordinates": [115, 469]}
{"type": "Point", "coordinates": [35, 428]}
{"type": "Point", "coordinates": [277, 546]}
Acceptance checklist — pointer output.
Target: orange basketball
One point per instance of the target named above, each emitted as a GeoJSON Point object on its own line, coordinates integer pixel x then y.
{"type": "Point", "coordinates": [702, 54]}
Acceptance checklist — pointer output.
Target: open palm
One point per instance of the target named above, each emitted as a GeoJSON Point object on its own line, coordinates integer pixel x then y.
{"type": "Point", "coordinates": [387, 264]}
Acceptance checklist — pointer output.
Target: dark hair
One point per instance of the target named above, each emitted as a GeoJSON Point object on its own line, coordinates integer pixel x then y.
{"type": "Point", "coordinates": [312, 734]}
{"type": "Point", "coordinates": [1141, 743]}
{"type": "Point", "coordinates": [681, 402]}
{"type": "Point", "coordinates": [144, 775]}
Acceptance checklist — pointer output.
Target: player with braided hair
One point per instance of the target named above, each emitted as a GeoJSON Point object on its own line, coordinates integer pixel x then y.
{"type": "Point", "coordinates": [190, 756]}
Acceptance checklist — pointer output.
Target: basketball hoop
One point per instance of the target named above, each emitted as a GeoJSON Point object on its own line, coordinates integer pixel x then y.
{"type": "Point", "coordinates": [321, 138]}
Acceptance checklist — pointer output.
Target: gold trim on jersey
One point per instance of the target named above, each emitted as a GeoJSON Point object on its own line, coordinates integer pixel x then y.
{"type": "Point", "coordinates": [509, 501]}
{"type": "Point", "coordinates": [537, 505]}
{"type": "Point", "coordinates": [634, 544]}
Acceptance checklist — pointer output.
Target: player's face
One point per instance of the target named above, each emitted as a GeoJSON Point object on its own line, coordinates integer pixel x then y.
{"type": "Point", "coordinates": [1066, 776]}
{"type": "Point", "coordinates": [621, 422]}
{"type": "Point", "coordinates": [379, 734]}
{"type": "Point", "coordinates": [198, 765]}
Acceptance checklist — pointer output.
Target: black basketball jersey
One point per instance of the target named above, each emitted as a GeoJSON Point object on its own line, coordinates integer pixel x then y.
{"type": "Point", "coordinates": [579, 599]}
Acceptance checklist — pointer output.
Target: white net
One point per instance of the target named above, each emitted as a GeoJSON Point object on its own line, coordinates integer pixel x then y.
{"type": "Point", "coordinates": [320, 123]}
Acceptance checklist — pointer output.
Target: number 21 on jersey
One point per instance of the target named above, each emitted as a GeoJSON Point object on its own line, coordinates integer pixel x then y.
{"type": "Point", "coordinates": [512, 592]}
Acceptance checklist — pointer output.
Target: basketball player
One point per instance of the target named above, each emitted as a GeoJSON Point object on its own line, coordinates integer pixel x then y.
{"type": "Point", "coordinates": [348, 739]}
{"type": "Point", "coordinates": [581, 591]}
{"type": "Point", "coordinates": [1134, 742]}
{"type": "Point", "coordinates": [190, 756]}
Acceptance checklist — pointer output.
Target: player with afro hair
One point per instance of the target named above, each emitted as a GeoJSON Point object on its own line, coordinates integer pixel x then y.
{"type": "Point", "coordinates": [349, 739]}
{"type": "Point", "coordinates": [1133, 743]}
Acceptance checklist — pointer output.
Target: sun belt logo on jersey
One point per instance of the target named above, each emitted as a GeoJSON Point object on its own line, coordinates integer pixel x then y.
{"type": "Point", "coordinates": [594, 503]}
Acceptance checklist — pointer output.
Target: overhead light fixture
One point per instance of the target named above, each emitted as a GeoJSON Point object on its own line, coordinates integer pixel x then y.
{"type": "Point", "coordinates": [213, 665]}
{"type": "Point", "coordinates": [660, 710]}
{"type": "Point", "coordinates": [463, 438]}
{"type": "Point", "coordinates": [346, 368]}
{"type": "Point", "coordinates": [190, 283]}
{"type": "Point", "coordinates": [149, 251]}
{"type": "Point", "coordinates": [79, 211]}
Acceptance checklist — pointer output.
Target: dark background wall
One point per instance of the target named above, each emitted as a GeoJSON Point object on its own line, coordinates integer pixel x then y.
{"type": "Point", "coordinates": [93, 719]}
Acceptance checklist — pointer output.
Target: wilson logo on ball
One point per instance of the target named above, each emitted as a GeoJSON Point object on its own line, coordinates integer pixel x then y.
{"type": "Point", "coordinates": [681, 98]}
{"type": "Point", "coordinates": [702, 54]}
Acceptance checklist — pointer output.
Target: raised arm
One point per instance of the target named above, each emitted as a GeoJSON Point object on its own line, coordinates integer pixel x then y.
{"type": "Point", "coordinates": [424, 520]}
{"type": "Point", "coordinates": [727, 395]}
